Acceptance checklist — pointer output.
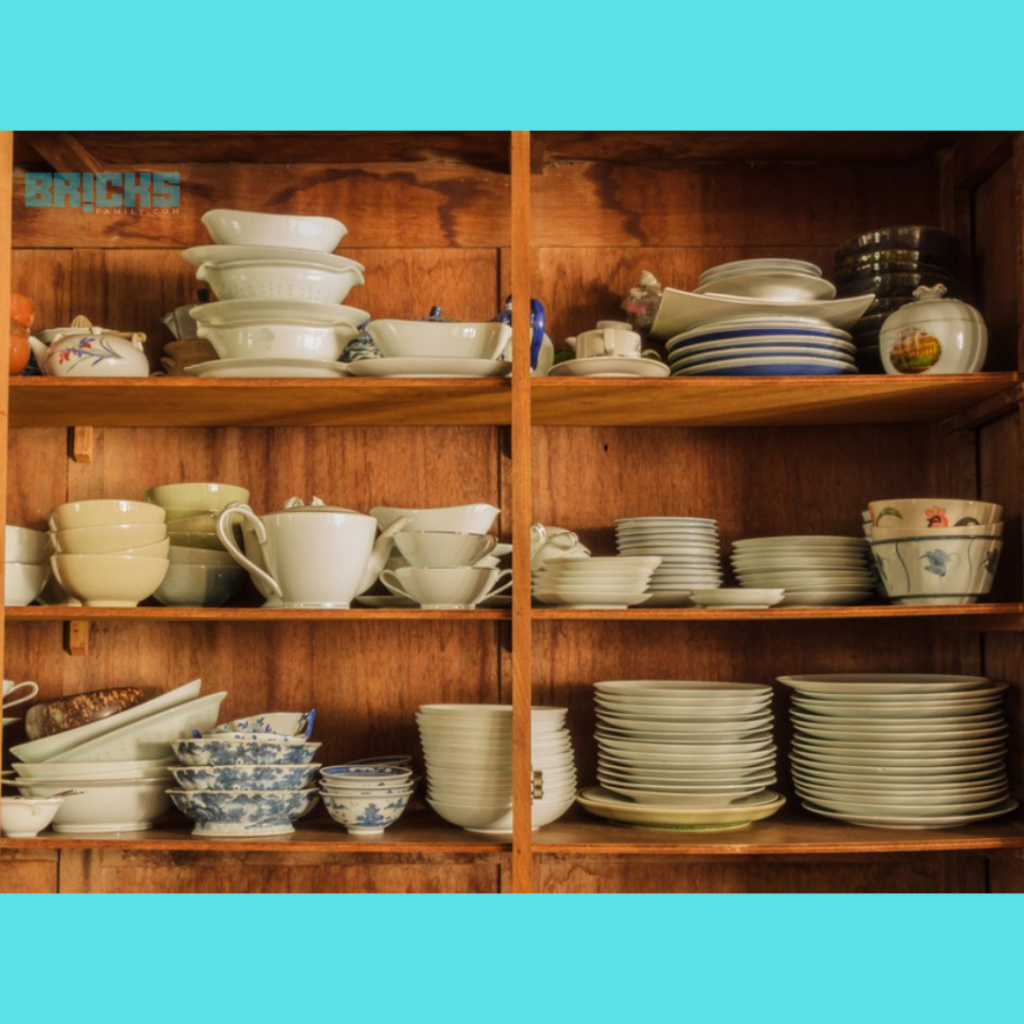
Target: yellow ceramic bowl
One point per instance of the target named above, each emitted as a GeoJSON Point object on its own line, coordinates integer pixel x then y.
{"type": "Point", "coordinates": [109, 581]}
{"type": "Point", "coordinates": [108, 540]}
{"type": "Point", "coordinates": [104, 512]}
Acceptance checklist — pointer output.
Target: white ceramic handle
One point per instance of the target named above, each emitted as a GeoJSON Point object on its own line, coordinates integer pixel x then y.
{"type": "Point", "coordinates": [34, 689]}
{"type": "Point", "coordinates": [390, 579]}
{"type": "Point", "coordinates": [201, 272]}
{"type": "Point", "coordinates": [227, 538]}
{"type": "Point", "coordinates": [609, 343]}
{"type": "Point", "coordinates": [495, 591]}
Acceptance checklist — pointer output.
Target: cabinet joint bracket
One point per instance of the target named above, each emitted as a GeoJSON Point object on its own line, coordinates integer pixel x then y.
{"type": "Point", "coordinates": [83, 444]}
{"type": "Point", "coordinates": [76, 639]}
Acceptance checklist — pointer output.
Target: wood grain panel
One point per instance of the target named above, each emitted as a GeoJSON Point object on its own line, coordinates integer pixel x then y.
{"type": "Point", "coordinates": [783, 204]}
{"type": "Point", "coordinates": [44, 275]}
{"type": "Point", "coordinates": [25, 871]}
{"type": "Point", "coordinates": [1000, 461]}
{"type": "Point", "coordinates": [1006, 872]}
{"type": "Point", "coordinates": [383, 205]}
{"type": "Point", "coordinates": [920, 873]}
{"type": "Point", "coordinates": [38, 477]}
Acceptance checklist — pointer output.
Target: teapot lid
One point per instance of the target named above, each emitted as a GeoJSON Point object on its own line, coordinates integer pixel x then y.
{"type": "Point", "coordinates": [316, 505]}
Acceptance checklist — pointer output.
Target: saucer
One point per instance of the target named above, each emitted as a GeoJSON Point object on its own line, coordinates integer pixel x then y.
{"type": "Point", "coordinates": [200, 254]}
{"type": "Point", "coordinates": [429, 366]}
{"type": "Point", "coordinates": [303, 368]}
{"type": "Point", "coordinates": [738, 598]}
{"type": "Point", "coordinates": [669, 599]}
{"type": "Point", "coordinates": [610, 366]}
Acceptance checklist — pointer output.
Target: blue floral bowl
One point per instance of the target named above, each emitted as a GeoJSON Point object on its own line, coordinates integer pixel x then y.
{"type": "Point", "coordinates": [365, 815]}
{"type": "Point", "coordinates": [366, 776]}
{"type": "Point", "coordinates": [246, 776]}
{"type": "Point", "coordinates": [279, 723]}
{"type": "Point", "coordinates": [210, 750]}
{"type": "Point", "coordinates": [235, 813]}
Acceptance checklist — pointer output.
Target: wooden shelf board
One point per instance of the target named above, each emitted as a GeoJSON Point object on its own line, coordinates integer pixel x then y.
{"type": "Point", "coordinates": [417, 833]}
{"type": "Point", "coordinates": [59, 613]}
{"type": "Point", "coordinates": [187, 402]}
{"type": "Point", "coordinates": [792, 831]}
{"type": "Point", "coordinates": [759, 401]}
{"type": "Point", "coordinates": [1001, 615]}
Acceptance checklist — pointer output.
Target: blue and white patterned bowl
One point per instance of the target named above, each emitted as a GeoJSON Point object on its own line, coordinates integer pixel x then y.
{"type": "Point", "coordinates": [209, 750]}
{"type": "Point", "coordinates": [365, 815]}
{"type": "Point", "coordinates": [384, 760]}
{"type": "Point", "coordinates": [246, 776]}
{"type": "Point", "coordinates": [279, 723]}
{"type": "Point", "coordinates": [255, 737]}
{"type": "Point", "coordinates": [365, 776]}
{"type": "Point", "coordinates": [235, 813]}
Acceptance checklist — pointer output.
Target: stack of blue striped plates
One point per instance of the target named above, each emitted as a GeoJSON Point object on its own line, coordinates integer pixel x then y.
{"type": "Point", "coordinates": [762, 346]}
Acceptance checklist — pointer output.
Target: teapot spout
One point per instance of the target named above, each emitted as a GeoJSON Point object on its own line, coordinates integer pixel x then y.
{"type": "Point", "coordinates": [380, 553]}
{"type": "Point", "coordinates": [39, 349]}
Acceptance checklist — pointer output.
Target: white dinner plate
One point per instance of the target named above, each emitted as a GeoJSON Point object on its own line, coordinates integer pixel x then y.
{"type": "Point", "coordinates": [299, 369]}
{"type": "Point", "coordinates": [682, 689]}
{"type": "Point", "coordinates": [276, 311]}
{"type": "Point", "coordinates": [428, 367]}
{"type": "Point", "coordinates": [801, 543]}
{"type": "Point", "coordinates": [863, 709]}
{"type": "Point", "coordinates": [683, 360]}
{"type": "Point", "coordinates": [781, 366]}
{"type": "Point", "coordinates": [912, 807]}
{"type": "Point", "coordinates": [610, 366]}
{"type": "Point", "coordinates": [824, 598]}
{"type": "Point", "coordinates": [903, 822]}
{"type": "Point", "coordinates": [891, 684]}
{"type": "Point", "coordinates": [803, 287]}
{"type": "Point", "coordinates": [599, 802]}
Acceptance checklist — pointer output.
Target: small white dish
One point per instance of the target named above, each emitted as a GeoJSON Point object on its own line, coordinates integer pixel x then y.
{"type": "Point", "coordinates": [738, 598]}
{"type": "Point", "coordinates": [669, 599]}
{"type": "Point", "coordinates": [611, 366]}
{"type": "Point", "coordinates": [23, 817]}
{"type": "Point", "coordinates": [270, 368]}
{"type": "Point", "coordinates": [429, 367]}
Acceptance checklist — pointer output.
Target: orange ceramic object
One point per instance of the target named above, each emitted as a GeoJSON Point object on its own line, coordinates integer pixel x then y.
{"type": "Point", "coordinates": [23, 312]}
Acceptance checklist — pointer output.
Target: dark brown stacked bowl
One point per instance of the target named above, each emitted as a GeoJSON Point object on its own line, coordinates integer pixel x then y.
{"type": "Point", "coordinates": [891, 263]}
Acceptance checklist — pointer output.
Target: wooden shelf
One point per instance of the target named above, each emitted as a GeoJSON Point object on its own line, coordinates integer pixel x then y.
{"type": "Point", "coordinates": [61, 613]}
{"type": "Point", "coordinates": [184, 402]}
{"type": "Point", "coordinates": [759, 401]}
{"type": "Point", "coordinates": [999, 617]}
{"type": "Point", "coordinates": [792, 831]}
{"type": "Point", "coordinates": [417, 833]}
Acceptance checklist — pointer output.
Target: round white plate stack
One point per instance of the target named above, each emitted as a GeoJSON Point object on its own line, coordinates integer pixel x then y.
{"type": "Point", "coordinates": [595, 582]}
{"type": "Point", "coordinates": [689, 553]}
{"type": "Point", "coordinates": [900, 751]}
{"type": "Point", "coordinates": [468, 753]}
{"type": "Point", "coordinates": [778, 278]}
{"type": "Point", "coordinates": [813, 570]}
{"type": "Point", "coordinates": [683, 754]}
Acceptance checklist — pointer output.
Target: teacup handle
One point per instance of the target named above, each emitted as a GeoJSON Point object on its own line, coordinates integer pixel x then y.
{"type": "Point", "coordinates": [226, 536]}
{"type": "Point", "coordinates": [609, 343]}
{"type": "Point", "coordinates": [390, 579]}
{"type": "Point", "coordinates": [495, 591]}
{"type": "Point", "coordinates": [21, 700]}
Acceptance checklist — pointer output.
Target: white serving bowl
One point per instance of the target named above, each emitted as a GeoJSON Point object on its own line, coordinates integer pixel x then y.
{"type": "Point", "coordinates": [416, 338]}
{"type": "Point", "coordinates": [497, 818]}
{"type": "Point", "coordinates": [30, 547]}
{"type": "Point", "coordinates": [108, 540]}
{"type": "Point", "coordinates": [103, 512]}
{"type": "Point", "coordinates": [477, 518]}
{"type": "Point", "coordinates": [200, 586]}
{"type": "Point", "coordinates": [23, 583]}
{"type": "Point", "coordinates": [931, 512]}
{"type": "Point", "coordinates": [287, 230]}
{"type": "Point", "coordinates": [436, 548]}
{"type": "Point", "coordinates": [940, 571]}
{"type": "Point", "coordinates": [23, 817]}
{"type": "Point", "coordinates": [201, 497]}
{"type": "Point", "coordinates": [113, 807]}
{"type": "Point", "coordinates": [152, 768]}
{"type": "Point", "coordinates": [109, 581]}
{"type": "Point", "coordinates": [279, 341]}
{"type": "Point", "coordinates": [277, 279]}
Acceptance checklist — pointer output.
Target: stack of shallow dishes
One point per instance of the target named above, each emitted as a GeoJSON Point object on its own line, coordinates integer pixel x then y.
{"type": "Point", "coordinates": [435, 348]}
{"type": "Point", "coordinates": [280, 288]}
{"type": "Point", "coordinates": [891, 263]}
{"type": "Point", "coordinates": [109, 553]}
{"type": "Point", "coordinates": [935, 551]}
{"type": "Point", "coordinates": [615, 582]}
{"type": "Point", "coordinates": [778, 279]}
{"type": "Point", "coordinates": [814, 570]}
{"type": "Point", "coordinates": [900, 751]}
{"type": "Point", "coordinates": [468, 754]}
{"type": "Point", "coordinates": [27, 567]}
{"type": "Point", "coordinates": [366, 798]}
{"type": "Point", "coordinates": [689, 553]}
{"type": "Point", "coordinates": [202, 573]}
{"type": "Point", "coordinates": [248, 783]}
{"type": "Point", "coordinates": [683, 754]}
{"type": "Point", "coordinates": [763, 346]}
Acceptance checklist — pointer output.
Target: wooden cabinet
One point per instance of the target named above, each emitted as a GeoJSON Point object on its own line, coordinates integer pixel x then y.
{"type": "Point", "coordinates": [461, 220]}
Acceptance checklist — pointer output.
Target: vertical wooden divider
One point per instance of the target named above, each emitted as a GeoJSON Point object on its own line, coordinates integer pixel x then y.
{"type": "Point", "coordinates": [522, 863]}
{"type": "Point", "coordinates": [6, 200]}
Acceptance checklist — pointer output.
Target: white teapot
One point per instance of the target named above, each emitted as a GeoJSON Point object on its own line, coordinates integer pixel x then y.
{"type": "Point", "coordinates": [82, 350]}
{"type": "Point", "coordinates": [308, 556]}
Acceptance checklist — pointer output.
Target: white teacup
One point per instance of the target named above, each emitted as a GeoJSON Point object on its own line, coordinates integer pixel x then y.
{"type": "Point", "coordinates": [11, 687]}
{"type": "Point", "coordinates": [436, 548]}
{"type": "Point", "coordinates": [608, 341]}
{"type": "Point", "coordinates": [437, 587]}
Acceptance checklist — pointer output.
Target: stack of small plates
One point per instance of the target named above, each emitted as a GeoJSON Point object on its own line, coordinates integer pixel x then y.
{"type": "Point", "coordinates": [595, 582]}
{"type": "Point", "coordinates": [813, 570]}
{"type": "Point", "coordinates": [776, 278]}
{"type": "Point", "coordinates": [900, 751]}
{"type": "Point", "coordinates": [683, 754]}
{"type": "Point", "coordinates": [687, 547]}
{"type": "Point", "coordinates": [763, 346]}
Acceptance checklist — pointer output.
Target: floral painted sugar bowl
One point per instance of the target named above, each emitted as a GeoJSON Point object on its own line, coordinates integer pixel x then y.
{"type": "Point", "coordinates": [82, 350]}
{"type": "Point", "coordinates": [934, 335]}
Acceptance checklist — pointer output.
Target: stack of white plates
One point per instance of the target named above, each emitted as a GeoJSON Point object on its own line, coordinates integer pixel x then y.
{"type": "Point", "coordinates": [595, 582]}
{"type": "Point", "coordinates": [776, 278]}
{"type": "Point", "coordinates": [687, 547]}
{"type": "Point", "coordinates": [764, 346]}
{"type": "Point", "coordinates": [900, 751]}
{"type": "Point", "coordinates": [813, 570]}
{"type": "Point", "coordinates": [690, 754]}
{"type": "Point", "coordinates": [468, 753]}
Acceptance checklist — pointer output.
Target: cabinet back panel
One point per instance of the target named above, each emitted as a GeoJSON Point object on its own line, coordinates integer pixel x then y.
{"type": "Point", "coordinates": [25, 871]}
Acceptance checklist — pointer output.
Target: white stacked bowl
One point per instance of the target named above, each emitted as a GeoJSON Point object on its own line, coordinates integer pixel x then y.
{"type": "Point", "coordinates": [687, 546]}
{"type": "Point", "coordinates": [468, 753]}
{"type": "Point", "coordinates": [681, 744]}
{"type": "Point", "coordinates": [614, 582]}
{"type": "Point", "coordinates": [900, 751]}
{"type": "Point", "coordinates": [27, 568]}
{"type": "Point", "coordinates": [110, 553]}
{"type": "Point", "coordinates": [813, 570]}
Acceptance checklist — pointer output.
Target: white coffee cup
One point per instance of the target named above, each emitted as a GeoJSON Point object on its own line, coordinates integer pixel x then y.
{"type": "Point", "coordinates": [608, 341]}
{"type": "Point", "coordinates": [435, 587]}
{"type": "Point", "coordinates": [620, 325]}
{"type": "Point", "coordinates": [11, 687]}
{"type": "Point", "coordinates": [436, 548]}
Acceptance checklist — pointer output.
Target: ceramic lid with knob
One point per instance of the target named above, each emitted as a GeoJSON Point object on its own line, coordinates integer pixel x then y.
{"type": "Point", "coordinates": [316, 505]}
